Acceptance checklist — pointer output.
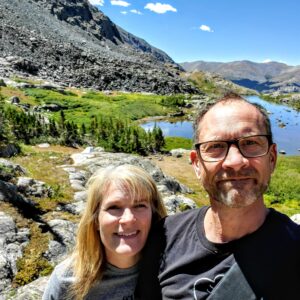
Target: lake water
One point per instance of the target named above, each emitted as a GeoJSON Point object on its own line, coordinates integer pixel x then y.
{"type": "Point", "coordinates": [287, 137]}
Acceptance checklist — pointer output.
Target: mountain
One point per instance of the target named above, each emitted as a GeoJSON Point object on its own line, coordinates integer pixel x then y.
{"type": "Point", "coordinates": [73, 43]}
{"type": "Point", "coordinates": [263, 77]}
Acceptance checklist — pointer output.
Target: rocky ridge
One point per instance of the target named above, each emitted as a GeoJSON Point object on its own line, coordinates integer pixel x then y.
{"type": "Point", "coordinates": [263, 77]}
{"type": "Point", "coordinates": [20, 191]}
{"type": "Point", "coordinates": [73, 43]}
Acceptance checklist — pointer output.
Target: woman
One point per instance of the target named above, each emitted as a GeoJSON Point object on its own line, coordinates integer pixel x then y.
{"type": "Point", "coordinates": [123, 203]}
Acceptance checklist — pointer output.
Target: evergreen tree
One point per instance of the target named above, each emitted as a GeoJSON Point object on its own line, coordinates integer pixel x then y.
{"type": "Point", "coordinates": [3, 122]}
{"type": "Point", "coordinates": [157, 138]}
{"type": "Point", "coordinates": [6, 135]}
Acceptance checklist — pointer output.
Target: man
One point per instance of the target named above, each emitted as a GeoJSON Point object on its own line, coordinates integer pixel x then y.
{"type": "Point", "coordinates": [236, 248]}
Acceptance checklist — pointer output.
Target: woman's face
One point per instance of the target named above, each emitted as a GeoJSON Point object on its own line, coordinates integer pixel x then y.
{"type": "Point", "coordinates": [124, 224]}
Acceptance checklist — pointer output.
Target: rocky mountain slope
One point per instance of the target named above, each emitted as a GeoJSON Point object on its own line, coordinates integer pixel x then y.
{"type": "Point", "coordinates": [73, 43]}
{"type": "Point", "coordinates": [263, 77]}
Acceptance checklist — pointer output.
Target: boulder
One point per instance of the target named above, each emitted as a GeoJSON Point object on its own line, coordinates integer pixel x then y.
{"type": "Point", "coordinates": [43, 145]}
{"type": "Point", "coordinates": [14, 100]}
{"type": "Point", "coordinates": [2, 82]}
{"type": "Point", "coordinates": [9, 170]}
{"type": "Point", "coordinates": [65, 230]}
{"type": "Point", "coordinates": [11, 248]}
{"type": "Point", "coordinates": [296, 218]}
{"type": "Point", "coordinates": [178, 152]}
{"type": "Point", "coordinates": [178, 203]}
{"type": "Point", "coordinates": [32, 187]}
{"type": "Point", "coordinates": [9, 150]}
{"type": "Point", "coordinates": [31, 291]}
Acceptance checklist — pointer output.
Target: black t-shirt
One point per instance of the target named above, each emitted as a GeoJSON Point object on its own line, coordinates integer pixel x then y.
{"type": "Point", "coordinates": [180, 263]}
{"type": "Point", "coordinates": [191, 265]}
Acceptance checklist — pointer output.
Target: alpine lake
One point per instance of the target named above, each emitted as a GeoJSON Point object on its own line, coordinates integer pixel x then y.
{"type": "Point", "coordinates": [285, 122]}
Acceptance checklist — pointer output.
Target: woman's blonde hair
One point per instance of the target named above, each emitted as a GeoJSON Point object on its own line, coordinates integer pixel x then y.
{"type": "Point", "coordinates": [89, 256]}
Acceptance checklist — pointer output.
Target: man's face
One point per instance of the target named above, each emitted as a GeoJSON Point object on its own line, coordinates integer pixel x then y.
{"type": "Point", "coordinates": [235, 181]}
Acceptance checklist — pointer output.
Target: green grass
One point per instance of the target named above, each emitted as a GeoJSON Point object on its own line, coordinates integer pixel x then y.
{"type": "Point", "coordinates": [199, 80]}
{"type": "Point", "coordinates": [32, 264]}
{"type": "Point", "coordinates": [278, 99]}
{"type": "Point", "coordinates": [42, 165]}
{"type": "Point", "coordinates": [26, 80]}
{"type": "Point", "coordinates": [284, 191]}
{"type": "Point", "coordinates": [177, 142]}
{"type": "Point", "coordinates": [81, 107]}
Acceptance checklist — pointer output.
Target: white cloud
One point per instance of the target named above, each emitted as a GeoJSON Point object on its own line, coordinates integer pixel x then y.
{"type": "Point", "coordinates": [267, 61]}
{"type": "Point", "coordinates": [160, 8]}
{"type": "Point", "coordinates": [124, 12]}
{"type": "Point", "coordinates": [205, 28]}
{"type": "Point", "coordinates": [97, 2]}
{"type": "Point", "coordinates": [134, 11]}
{"type": "Point", "coordinates": [119, 3]}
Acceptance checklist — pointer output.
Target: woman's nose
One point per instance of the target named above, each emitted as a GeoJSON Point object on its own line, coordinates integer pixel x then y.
{"type": "Point", "coordinates": [127, 215]}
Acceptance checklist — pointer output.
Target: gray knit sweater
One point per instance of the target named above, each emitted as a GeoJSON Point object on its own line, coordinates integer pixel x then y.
{"type": "Point", "coordinates": [116, 284]}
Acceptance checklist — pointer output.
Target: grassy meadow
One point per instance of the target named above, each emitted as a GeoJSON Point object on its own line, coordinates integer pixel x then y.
{"type": "Point", "coordinates": [80, 106]}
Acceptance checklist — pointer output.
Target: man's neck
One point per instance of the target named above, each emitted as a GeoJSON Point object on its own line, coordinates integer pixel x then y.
{"type": "Point", "coordinates": [224, 224]}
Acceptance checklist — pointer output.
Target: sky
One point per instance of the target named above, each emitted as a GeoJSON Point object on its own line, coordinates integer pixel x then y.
{"type": "Point", "coordinates": [213, 30]}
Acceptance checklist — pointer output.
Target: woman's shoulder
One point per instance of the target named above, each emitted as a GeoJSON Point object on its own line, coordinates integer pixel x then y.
{"type": "Point", "coordinates": [59, 281]}
{"type": "Point", "coordinates": [64, 271]}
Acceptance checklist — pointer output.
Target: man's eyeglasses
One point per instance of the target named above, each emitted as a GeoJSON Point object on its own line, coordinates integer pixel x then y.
{"type": "Point", "coordinates": [249, 147]}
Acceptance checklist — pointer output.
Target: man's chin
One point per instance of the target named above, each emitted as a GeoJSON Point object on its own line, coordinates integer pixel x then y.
{"type": "Point", "coordinates": [236, 198]}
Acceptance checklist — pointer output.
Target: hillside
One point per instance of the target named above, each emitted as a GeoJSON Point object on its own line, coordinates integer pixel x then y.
{"type": "Point", "coordinates": [75, 44]}
{"type": "Point", "coordinates": [263, 77]}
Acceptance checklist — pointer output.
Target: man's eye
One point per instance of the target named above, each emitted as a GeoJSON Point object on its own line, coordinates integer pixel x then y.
{"type": "Point", "coordinates": [251, 143]}
{"type": "Point", "coordinates": [214, 146]}
{"type": "Point", "coordinates": [217, 146]}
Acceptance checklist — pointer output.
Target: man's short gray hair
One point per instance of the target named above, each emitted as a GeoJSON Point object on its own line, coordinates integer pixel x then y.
{"type": "Point", "coordinates": [228, 98]}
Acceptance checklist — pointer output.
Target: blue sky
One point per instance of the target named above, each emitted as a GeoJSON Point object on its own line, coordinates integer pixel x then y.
{"type": "Point", "coordinates": [213, 30]}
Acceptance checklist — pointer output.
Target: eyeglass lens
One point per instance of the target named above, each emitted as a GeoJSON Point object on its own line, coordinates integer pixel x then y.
{"type": "Point", "coordinates": [252, 146]}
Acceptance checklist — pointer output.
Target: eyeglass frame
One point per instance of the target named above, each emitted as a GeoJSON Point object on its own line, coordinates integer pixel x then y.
{"type": "Point", "coordinates": [236, 143]}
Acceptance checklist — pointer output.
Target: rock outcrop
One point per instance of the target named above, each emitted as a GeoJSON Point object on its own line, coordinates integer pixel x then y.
{"type": "Point", "coordinates": [73, 43]}
{"type": "Point", "coordinates": [12, 242]}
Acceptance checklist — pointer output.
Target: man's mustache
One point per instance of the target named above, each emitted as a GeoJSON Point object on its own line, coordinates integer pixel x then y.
{"type": "Point", "coordinates": [231, 174]}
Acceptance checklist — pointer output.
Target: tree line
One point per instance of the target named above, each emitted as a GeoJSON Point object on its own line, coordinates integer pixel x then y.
{"type": "Point", "coordinates": [112, 133]}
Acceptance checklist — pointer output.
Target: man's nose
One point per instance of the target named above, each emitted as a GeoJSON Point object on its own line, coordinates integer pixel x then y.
{"type": "Point", "coordinates": [127, 215]}
{"type": "Point", "coordinates": [234, 159]}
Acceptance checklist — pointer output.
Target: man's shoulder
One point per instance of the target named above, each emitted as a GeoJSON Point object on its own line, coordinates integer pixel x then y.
{"type": "Point", "coordinates": [177, 224]}
{"type": "Point", "coordinates": [186, 216]}
{"type": "Point", "coordinates": [283, 223]}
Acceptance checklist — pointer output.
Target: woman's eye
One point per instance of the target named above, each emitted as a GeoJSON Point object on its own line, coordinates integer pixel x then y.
{"type": "Point", "coordinates": [141, 205]}
{"type": "Point", "coordinates": [112, 207]}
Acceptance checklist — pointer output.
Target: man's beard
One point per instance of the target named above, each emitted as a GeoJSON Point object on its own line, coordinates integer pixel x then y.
{"type": "Point", "coordinates": [237, 193]}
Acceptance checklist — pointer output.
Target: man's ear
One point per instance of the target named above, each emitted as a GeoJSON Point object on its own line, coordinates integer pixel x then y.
{"type": "Point", "coordinates": [273, 157]}
{"type": "Point", "coordinates": [195, 162]}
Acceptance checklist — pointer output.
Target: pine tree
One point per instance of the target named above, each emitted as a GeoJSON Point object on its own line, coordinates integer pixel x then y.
{"type": "Point", "coordinates": [3, 121]}
{"type": "Point", "coordinates": [6, 134]}
{"type": "Point", "coordinates": [158, 138]}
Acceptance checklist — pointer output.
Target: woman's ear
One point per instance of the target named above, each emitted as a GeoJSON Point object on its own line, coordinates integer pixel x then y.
{"type": "Point", "coordinates": [195, 162]}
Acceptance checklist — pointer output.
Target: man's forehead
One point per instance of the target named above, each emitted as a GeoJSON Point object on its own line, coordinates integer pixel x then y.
{"type": "Point", "coordinates": [230, 116]}
{"type": "Point", "coordinates": [235, 108]}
